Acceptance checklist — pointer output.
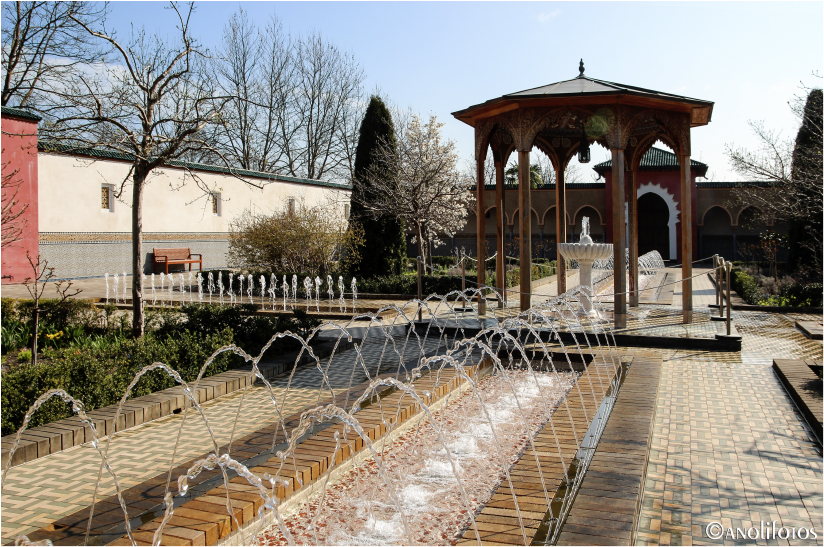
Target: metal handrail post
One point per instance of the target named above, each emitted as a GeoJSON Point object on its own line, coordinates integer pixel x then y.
{"type": "Point", "coordinates": [729, 304]}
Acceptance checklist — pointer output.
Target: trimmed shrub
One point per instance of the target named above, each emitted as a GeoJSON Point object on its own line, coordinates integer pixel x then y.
{"type": "Point", "coordinates": [746, 286]}
{"type": "Point", "coordinates": [99, 377]}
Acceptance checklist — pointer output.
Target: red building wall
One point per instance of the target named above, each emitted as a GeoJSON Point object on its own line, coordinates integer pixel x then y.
{"type": "Point", "coordinates": [670, 180]}
{"type": "Point", "coordinates": [19, 169]}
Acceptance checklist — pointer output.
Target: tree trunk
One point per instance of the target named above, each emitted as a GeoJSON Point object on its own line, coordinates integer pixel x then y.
{"type": "Point", "coordinates": [421, 258]}
{"type": "Point", "coordinates": [36, 322]}
{"type": "Point", "coordinates": [138, 322]}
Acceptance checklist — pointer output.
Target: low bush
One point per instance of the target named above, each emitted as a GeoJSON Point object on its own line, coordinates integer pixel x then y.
{"type": "Point", "coordinates": [757, 291]}
{"type": "Point", "coordinates": [408, 284]}
{"type": "Point", "coordinates": [746, 286]}
{"type": "Point", "coordinates": [797, 295]}
{"type": "Point", "coordinates": [99, 376]}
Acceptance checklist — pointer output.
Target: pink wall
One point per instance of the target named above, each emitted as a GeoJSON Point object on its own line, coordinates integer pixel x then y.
{"type": "Point", "coordinates": [19, 163]}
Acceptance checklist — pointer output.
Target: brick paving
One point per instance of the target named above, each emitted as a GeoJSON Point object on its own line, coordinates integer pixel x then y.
{"type": "Point", "coordinates": [728, 444]}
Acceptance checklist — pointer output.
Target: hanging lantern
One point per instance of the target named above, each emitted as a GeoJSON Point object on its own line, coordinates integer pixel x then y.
{"type": "Point", "coordinates": [583, 148]}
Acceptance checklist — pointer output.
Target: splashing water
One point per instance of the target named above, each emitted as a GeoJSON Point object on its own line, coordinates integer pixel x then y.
{"type": "Point", "coordinates": [426, 481]}
{"type": "Point", "coordinates": [200, 287]}
{"type": "Point", "coordinates": [294, 288]}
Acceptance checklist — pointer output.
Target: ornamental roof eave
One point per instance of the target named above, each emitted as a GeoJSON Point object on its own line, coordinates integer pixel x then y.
{"type": "Point", "coordinates": [12, 112]}
{"type": "Point", "coordinates": [583, 89]}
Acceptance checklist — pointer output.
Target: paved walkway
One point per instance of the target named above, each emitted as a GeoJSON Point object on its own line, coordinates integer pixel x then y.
{"type": "Point", "coordinates": [728, 444]}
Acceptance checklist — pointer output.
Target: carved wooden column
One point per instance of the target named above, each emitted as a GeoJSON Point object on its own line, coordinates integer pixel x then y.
{"type": "Point", "coordinates": [618, 238]}
{"type": "Point", "coordinates": [525, 208]}
{"type": "Point", "coordinates": [686, 238]}
{"type": "Point", "coordinates": [560, 224]}
{"type": "Point", "coordinates": [481, 237]}
{"type": "Point", "coordinates": [500, 208]}
{"type": "Point", "coordinates": [632, 219]}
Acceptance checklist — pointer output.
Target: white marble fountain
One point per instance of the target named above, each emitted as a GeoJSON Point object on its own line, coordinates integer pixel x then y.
{"type": "Point", "coordinates": [586, 252]}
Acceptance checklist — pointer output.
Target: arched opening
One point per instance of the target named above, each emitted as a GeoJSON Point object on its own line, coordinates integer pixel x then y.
{"type": "Point", "coordinates": [596, 230]}
{"type": "Point", "coordinates": [716, 233]}
{"type": "Point", "coordinates": [653, 225]}
{"type": "Point", "coordinates": [748, 235]}
{"type": "Point", "coordinates": [513, 242]}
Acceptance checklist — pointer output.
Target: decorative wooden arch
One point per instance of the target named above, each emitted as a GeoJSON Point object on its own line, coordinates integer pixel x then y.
{"type": "Point", "coordinates": [627, 120]}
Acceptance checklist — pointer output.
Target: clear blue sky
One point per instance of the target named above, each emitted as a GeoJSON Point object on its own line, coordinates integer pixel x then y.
{"type": "Point", "coordinates": [439, 57]}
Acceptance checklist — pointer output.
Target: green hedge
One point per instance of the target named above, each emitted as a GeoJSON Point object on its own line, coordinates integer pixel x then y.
{"type": "Point", "coordinates": [746, 286]}
{"type": "Point", "coordinates": [408, 284]}
{"type": "Point", "coordinates": [95, 364]}
{"type": "Point", "coordinates": [99, 377]}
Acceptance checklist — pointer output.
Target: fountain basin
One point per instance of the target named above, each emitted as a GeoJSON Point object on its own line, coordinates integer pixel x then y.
{"type": "Point", "coordinates": [586, 253]}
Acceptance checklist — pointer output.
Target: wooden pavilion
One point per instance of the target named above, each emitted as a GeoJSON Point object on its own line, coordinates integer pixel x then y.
{"type": "Point", "coordinates": [562, 119]}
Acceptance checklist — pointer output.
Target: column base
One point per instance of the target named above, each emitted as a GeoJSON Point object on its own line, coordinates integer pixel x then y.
{"type": "Point", "coordinates": [620, 320]}
{"type": "Point", "coordinates": [688, 317]}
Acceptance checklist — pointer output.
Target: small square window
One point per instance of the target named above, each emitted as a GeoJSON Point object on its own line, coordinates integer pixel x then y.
{"type": "Point", "coordinates": [346, 211]}
{"type": "Point", "coordinates": [290, 206]}
{"type": "Point", "coordinates": [106, 201]}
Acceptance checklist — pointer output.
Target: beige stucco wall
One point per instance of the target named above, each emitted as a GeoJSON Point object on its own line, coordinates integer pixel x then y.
{"type": "Point", "coordinates": [174, 202]}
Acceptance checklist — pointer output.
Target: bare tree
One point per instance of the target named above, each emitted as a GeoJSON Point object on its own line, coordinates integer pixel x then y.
{"type": "Point", "coordinates": [297, 102]}
{"type": "Point", "coordinates": [785, 176]}
{"type": "Point", "coordinates": [37, 287]}
{"type": "Point", "coordinates": [320, 130]}
{"type": "Point", "coordinates": [150, 101]}
{"type": "Point", "coordinates": [254, 68]}
{"type": "Point", "coordinates": [43, 43]}
{"type": "Point", "coordinates": [429, 193]}
{"type": "Point", "coordinates": [573, 174]}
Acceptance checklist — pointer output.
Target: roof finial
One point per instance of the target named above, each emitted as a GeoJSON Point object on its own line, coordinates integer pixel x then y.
{"type": "Point", "coordinates": [581, 68]}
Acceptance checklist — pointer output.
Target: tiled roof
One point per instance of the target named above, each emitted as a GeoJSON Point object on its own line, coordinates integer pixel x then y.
{"type": "Point", "coordinates": [120, 156]}
{"type": "Point", "coordinates": [656, 159]}
{"type": "Point", "coordinates": [19, 113]}
{"type": "Point", "coordinates": [573, 186]}
{"type": "Point", "coordinates": [584, 85]}
{"type": "Point", "coordinates": [742, 184]}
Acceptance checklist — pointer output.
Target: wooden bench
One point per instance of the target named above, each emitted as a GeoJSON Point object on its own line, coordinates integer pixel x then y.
{"type": "Point", "coordinates": [176, 256]}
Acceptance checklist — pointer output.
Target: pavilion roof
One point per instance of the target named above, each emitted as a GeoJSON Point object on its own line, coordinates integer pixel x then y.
{"type": "Point", "coordinates": [583, 89]}
{"type": "Point", "coordinates": [584, 85]}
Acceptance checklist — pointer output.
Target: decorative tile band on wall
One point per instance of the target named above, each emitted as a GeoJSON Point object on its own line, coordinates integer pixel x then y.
{"type": "Point", "coordinates": [106, 237]}
{"type": "Point", "coordinates": [76, 255]}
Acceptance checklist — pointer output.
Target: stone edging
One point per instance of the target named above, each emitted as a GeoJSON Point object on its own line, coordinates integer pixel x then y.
{"type": "Point", "coordinates": [800, 382]}
{"type": "Point", "coordinates": [54, 437]}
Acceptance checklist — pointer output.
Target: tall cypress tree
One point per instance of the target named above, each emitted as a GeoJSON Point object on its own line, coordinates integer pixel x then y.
{"type": "Point", "coordinates": [806, 229]}
{"type": "Point", "coordinates": [384, 248]}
